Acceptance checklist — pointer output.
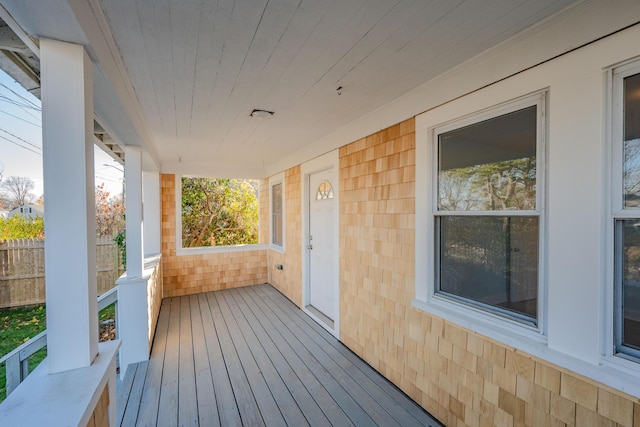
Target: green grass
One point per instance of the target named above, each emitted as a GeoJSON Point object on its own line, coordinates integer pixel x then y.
{"type": "Point", "coordinates": [18, 325]}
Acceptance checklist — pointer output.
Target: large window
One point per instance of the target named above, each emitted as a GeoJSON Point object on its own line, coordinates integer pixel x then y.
{"type": "Point", "coordinates": [626, 210]}
{"type": "Point", "coordinates": [219, 212]}
{"type": "Point", "coordinates": [487, 210]}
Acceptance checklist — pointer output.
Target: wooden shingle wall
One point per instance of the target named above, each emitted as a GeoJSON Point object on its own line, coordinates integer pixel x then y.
{"type": "Point", "coordinates": [191, 274]}
{"type": "Point", "coordinates": [462, 378]}
{"type": "Point", "coordinates": [289, 279]}
{"type": "Point", "coordinates": [100, 415]}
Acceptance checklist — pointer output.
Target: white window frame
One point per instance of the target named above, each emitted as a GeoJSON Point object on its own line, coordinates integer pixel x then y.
{"type": "Point", "coordinates": [465, 314]}
{"type": "Point", "coordinates": [615, 82]}
{"type": "Point", "coordinates": [274, 180]}
{"type": "Point", "coordinates": [180, 251]}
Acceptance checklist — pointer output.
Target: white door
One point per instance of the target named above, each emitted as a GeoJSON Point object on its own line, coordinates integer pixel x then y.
{"type": "Point", "coordinates": [322, 242]}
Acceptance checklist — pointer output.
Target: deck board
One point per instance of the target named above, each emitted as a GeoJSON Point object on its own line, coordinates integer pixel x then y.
{"type": "Point", "coordinates": [187, 397]}
{"type": "Point", "coordinates": [168, 407]}
{"type": "Point", "coordinates": [248, 356]}
{"type": "Point", "coordinates": [388, 398]}
{"type": "Point", "coordinates": [205, 392]}
{"type": "Point", "coordinates": [151, 393]}
{"type": "Point", "coordinates": [274, 349]}
{"type": "Point", "coordinates": [245, 399]}
{"type": "Point", "coordinates": [227, 407]}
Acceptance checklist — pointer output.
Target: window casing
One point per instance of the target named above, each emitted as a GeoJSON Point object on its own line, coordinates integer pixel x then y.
{"type": "Point", "coordinates": [626, 209]}
{"type": "Point", "coordinates": [487, 203]}
{"type": "Point", "coordinates": [210, 219]}
{"type": "Point", "coordinates": [276, 214]}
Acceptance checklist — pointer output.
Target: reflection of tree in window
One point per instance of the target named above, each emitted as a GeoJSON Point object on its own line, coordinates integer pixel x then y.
{"type": "Point", "coordinates": [491, 257]}
{"type": "Point", "coordinates": [627, 229]}
{"type": "Point", "coordinates": [632, 141]}
{"type": "Point", "coordinates": [632, 173]}
{"type": "Point", "coordinates": [489, 165]}
{"type": "Point", "coordinates": [219, 212]}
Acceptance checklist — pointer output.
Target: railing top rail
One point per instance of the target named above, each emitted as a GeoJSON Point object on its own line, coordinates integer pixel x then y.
{"type": "Point", "coordinates": [39, 341]}
{"type": "Point", "coordinates": [27, 349]}
{"type": "Point", "coordinates": [108, 298]}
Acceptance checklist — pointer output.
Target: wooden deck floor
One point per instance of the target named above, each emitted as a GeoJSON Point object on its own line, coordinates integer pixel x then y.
{"type": "Point", "coordinates": [249, 357]}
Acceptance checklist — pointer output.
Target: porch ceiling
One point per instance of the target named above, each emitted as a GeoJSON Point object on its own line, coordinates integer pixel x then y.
{"type": "Point", "coordinates": [188, 73]}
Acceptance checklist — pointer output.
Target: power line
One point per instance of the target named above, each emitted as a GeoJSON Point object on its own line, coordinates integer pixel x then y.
{"type": "Point", "coordinates": [21, 139]}
{"type": "Point", "coordinates": [18, 95]}
{"type": "Point", "coordinates": [19, 104]}
{"type": "Point", "coordinates": [108, 179]}
{"type": "Point", "coordinates": [23, 107]}
{"type": "Point", "coordinates": [20, 118]}
{"type": "Point", "coordinates": [21, 146]}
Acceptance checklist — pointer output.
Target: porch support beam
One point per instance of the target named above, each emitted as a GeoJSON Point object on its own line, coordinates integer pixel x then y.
{"type": "Point", "coordinates": [133, 209]}
{"type": "Point", "coordinates": [133, 322]}
{"type": "Point", "coordinates": [151, 213]}
{"type": "Point", "coordinates": [70, 246]}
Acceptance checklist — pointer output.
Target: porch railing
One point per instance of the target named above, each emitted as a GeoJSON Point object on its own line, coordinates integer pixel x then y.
{"type": "Point", "coordinates": [17, 361]}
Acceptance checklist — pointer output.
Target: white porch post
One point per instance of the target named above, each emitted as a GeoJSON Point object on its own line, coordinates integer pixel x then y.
{"type": "Point", "coordinates": [70, 245]}
{"type": "Point", "coordinates": [132, 288]}
{"type": "Point", "coordinates": [151, 213]}
{"type": "Point", "coordinates": [133, 208]}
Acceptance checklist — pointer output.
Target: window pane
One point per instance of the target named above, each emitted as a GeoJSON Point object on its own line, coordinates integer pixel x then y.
{"type": "Point", "coordinates": [276, 204]}
{"type": "Point", "coordinates": [630, 289]}
{"type": "Point", "coordinates": [632, 141]}
{"type": "Point", "coordinates": [324, 191]}
{"type": "Point", "coordinates": [489, 165]}
{"type": "Point", "coordinates": [491, 260]}
{"type": "Point", "coordinates": [219, 212]}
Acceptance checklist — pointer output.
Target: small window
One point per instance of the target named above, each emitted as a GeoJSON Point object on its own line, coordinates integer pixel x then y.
{"type": "Point", "coordinates": [276, 214]}
{"type": "Point", "coordinates": [487, 211]}
{"type": "Point", "coordinates": [626, 220]}
{"type": "Point", "coordinates": [325, 191]}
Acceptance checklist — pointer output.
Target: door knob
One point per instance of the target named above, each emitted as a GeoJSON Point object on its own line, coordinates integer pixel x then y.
{"type": "Point", "coordinates": [310, 247]}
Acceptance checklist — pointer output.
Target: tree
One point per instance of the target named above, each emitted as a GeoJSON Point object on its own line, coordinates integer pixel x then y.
{"type": "Point", "coordinates": [505, 185]}
{"type": "Point", "coordinates": [219, 211]}
{"type": "Point", "coordinates": [18, 190]}
{"type": "Point", "coordinates": [19, 227]}
{"type": "Point", "coordinates": [109, 213]}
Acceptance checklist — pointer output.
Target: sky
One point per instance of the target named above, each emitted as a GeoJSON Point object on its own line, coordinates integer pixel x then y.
{"type": "Point", "coordinates": [21, 140]}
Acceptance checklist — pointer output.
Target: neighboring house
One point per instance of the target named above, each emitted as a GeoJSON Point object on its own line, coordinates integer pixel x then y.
{"type": "Point", "coordinates": [27, 211]}
{"type": "Point", "coordinates": [448, 188]}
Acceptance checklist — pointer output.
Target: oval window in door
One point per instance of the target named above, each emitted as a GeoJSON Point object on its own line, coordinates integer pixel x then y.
{"type": "Point", "coordinates": [325, 191]}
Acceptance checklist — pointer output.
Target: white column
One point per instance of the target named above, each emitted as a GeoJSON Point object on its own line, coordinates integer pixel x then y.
{"type": "Point", "coordinates": [133, 209]}
{"type": "Point", "coordinates": [151, 214]}
{"type": "Point", "coordinates": [70, 224]}
{"type": "Point", "coordinates": [133, 321]}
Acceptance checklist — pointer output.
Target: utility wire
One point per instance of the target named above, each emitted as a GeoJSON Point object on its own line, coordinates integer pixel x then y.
{"type": "Point", "coordinates": [21, 146]}
{"type": "Point", "coordinates": [20, 106]}
{"type": "Point", "coordinates": [21, 139]}
{"type": "Point", "coordinates": [20, 118]}
{"type": "Point", "coordinates": [18, 95]}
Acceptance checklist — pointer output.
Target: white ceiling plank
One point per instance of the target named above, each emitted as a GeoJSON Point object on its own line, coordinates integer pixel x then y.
{"type": "Point", "coordinates": [198, 67]}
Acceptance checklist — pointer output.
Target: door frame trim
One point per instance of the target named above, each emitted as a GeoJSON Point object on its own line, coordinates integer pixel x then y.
{"type": "Point", "coordinates": [329, 160]}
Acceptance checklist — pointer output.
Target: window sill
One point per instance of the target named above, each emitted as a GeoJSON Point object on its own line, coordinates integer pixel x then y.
{"type": "Point", "coordinates": [220, 249]}
{"type": "Point", "coordinates": [277, 248]}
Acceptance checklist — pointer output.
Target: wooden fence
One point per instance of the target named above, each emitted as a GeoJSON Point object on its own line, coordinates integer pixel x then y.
{"type": "Point", "coordinates": [22, 270]}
